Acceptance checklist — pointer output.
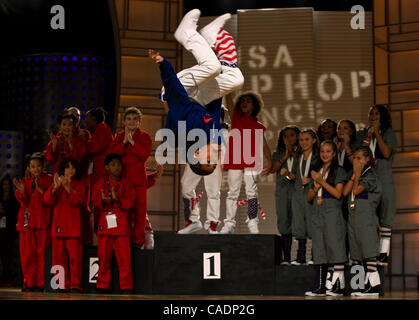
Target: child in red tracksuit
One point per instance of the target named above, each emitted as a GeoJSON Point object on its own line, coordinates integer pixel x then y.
{"type": "Point", "coordinates": [66, 144]}
{"type": "Point", "coordinates": [113, 197]}
{"type": "Point", "coordinates": [37, 220]}
{"type": "Point", "coordinates": [134, 146]}
{"type": "Point", "coordinates": [67, 195]}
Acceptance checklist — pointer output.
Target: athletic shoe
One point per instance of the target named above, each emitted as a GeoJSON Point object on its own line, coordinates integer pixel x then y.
{"type": "Point", "coordinates": [187, 26]}
{"type": "Point", "coordinates": [191, 227]}
{"type": "Point", "coordinates": [382, 259]}
{"type": "Point", "coordinates": [210, 31]}
{"type": "Point", "coordinates": [298, 262]}
{"type": "Point", "coordinates": [252, 224]}
{"type": "Point", "coordinates": [74, 290]}
{"type": "Point", "coordinates": [369, 291]}
{"type": "Point", "coordinates": [126, 291]}
{"type": "Point", "coordinates": [320, 292]}
{"type": "Point", "coordinates": [310, 262]}
{"type": "Point", "coordinates": [285, 263]}
{"type": "Point", "coordinates": [228, 228]}
{"type": "Point", "coordinates": [337, 290]}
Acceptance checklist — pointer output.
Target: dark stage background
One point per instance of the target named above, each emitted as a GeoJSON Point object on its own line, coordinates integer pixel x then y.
{"type": "Point", "coordinates": [44, 70]}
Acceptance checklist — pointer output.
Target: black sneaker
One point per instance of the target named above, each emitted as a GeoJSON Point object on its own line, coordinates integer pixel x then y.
{"type": "Point", "coordinates": [370, 291]}
{"type": "Point", "coordinates": [337, 290]}
{"type": "Point", "coordinates": [76, 291]}
{"type": "Point", "coordinates": [382, 259]}
{"type": "Point", "coordinates": [319, 292]}
{"type": "Point", "coordinates": [126, 291]}
{"type": "Point", "coordinates": [298, 262]}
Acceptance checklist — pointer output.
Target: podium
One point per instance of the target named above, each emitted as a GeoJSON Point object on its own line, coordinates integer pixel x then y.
{"type": "Point", "coordinates": [207, 265]}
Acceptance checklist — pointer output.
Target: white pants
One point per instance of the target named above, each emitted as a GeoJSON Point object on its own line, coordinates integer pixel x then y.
{"type": "Point", "coordinates": [212, 184]}
{"type": "Point", "coordinates": [251, 179]}
{"type": "Point", "coordinates": [208, 80]}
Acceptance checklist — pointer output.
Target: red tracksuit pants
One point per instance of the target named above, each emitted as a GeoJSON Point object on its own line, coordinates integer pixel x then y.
{"type": "Point", "coordinates": [68, 251]}
{"type": "Point", "coordinates": [105, 248]}
{"type": "Point", "coordinates": [37, 241]}
{"type": "Point", "coordinates": [139, 215]}
{"type": "Point", "coordinates": [23, 259]}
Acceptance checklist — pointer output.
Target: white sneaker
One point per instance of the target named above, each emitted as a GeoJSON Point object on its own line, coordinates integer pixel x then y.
{"type": "Point", "coordinates": [149, 240]}
{"type": "Point", "coordinates": [187, 26]}
{"type": "Point", "coordinates": [252, 224]}
{"type": "Point", "coordinates": [228, 228]}
{"type": "Point", "coordinates": [310, 262]}
{"type": "Point", "coordinates": [191, 227]}
{"type": "Point", "coordinates": [210, 31]}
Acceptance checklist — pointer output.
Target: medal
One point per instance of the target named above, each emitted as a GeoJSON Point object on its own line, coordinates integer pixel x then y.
{"type": "Point", "coordinates": [352, 205]}
{"type": "Point", "coordinates": [319, 201]}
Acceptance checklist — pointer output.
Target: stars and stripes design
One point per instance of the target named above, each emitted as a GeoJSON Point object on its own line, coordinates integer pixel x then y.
{"type": "Point", "coordinates": [253, 208]}
{"type": "Point", "coordinates": [225, 48]}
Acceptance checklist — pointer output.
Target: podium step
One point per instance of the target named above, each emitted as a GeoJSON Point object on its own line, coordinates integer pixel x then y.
{"type": "Point", "coordinates": [209, 265]}
{"type": "Point", "coordinates": [214, 264]}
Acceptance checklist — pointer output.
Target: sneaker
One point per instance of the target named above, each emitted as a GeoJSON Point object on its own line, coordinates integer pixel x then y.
{"type": "Point", "coordinates": [191, 227]}
{"type": "Point", "coordinates": [298, 262]}
{"type": "Point", "coordinates": [187, 26]}
{"type": "Point", "coordinates": [337, 290]}
{"type": "Point", "coordinates": [310, 262]}
{"type": "Point", "coordinates": [382, 259]}
{"type": "Point", "coordinates": [213, 228]}
{"type": "Point", "coordinates": [210, 31]}
{"type": "Point", "coordinates": [252, 224]}
{"type": "Point", "coordinates": [149, 240]}
{"type": "Point", "coordinates": [228, 228]}
{"type": "Point", "coordinates": [370, 291]}
{"type": "Point", "coordinates": [74, 290]}
{"type": "Point", "coordinates": [285, 263]}
{"type": "Point", "coordinates": [320, 292]}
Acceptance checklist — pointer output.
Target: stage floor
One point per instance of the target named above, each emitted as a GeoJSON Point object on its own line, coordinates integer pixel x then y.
{"type": "Point", "coordinates": [17, 294]}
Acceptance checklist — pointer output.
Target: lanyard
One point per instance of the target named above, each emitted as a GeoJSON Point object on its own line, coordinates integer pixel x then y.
{"type": "Point", "coordinates": [290, 162]}
{"type": "Point", "coordinates": [109, 188]}
{"type": "Point", "coordinates": [373, 145]}
{"type": "Point", "coordinates": [320, 191]}
{"type": "Point", "coordinates": [341, 157]}
{"type": "Point", "coordinates": [305, 174]}
{"type": "Point", "coordinates": [352, 192]}
{"type": "Point", "coordinates": [33, 185]}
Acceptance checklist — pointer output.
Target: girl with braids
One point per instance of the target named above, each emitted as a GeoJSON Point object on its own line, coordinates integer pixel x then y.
{"type": "Point", "coordinates": [284, 163]}
{"type": "Point", "coordinates": [328, 224]}
{"type": "Point", "coordinates": [364, 190]}
{"type": "Point", "coordinates": [381, 139]}
{"type": "Point", "coordinates": [301, 208]}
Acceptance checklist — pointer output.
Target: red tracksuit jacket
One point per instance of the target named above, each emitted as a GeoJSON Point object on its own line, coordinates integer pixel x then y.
{"type": "Point", "coordinates": [78, 152]}
{"type": "Point", "coordinates": [66, 220]}
{"type": "Point", "coordinates": [39, 212]}
{"type": "Point", "coordinates": [126, 195]}
{"type": "Point", "coordinates": [97, 149]}
{"type": "Point", "coordinates": [133, 156]}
